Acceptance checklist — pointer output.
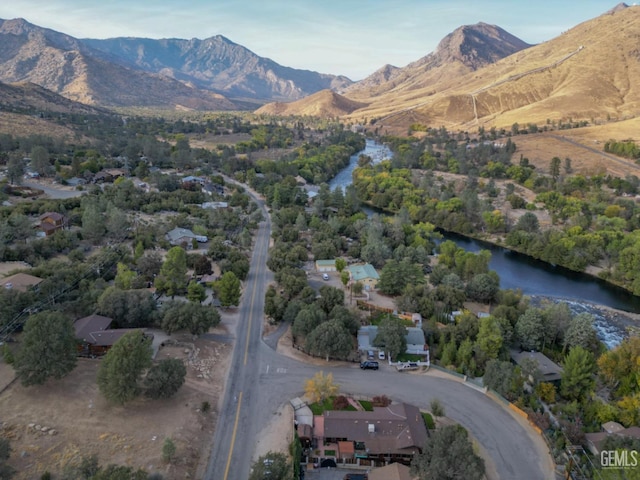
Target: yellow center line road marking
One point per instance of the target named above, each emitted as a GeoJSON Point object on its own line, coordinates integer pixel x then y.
{"type": "Point", "coordinates": [233, 437]}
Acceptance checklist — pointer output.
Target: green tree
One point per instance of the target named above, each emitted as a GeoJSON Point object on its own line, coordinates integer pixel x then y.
{"type": "Point", "coordinates": [437, 409]}
{"type": "Point", "coordinates": [504, 378]}
{"type": "Point", "coordinates": [581, 333]}
{"type": "Point", "coordinates": [168, 450]}
{"type": "Point", "coordinates": [127, 308]}
{"type": "Point", "coordinates": [6, 471]}
{"type": "Point", "coordinates": [307, 319]}
{"type": "Point", "coordinates": [483, 287]}
{"type": "Point", "coordinates": [619, 367]}
{"type": "Point", "coordinates": [448, 455]}
{"type": "Point", "coordinates": [392, 336]}
{"type": "Point", "coordinates": [172, 278]}
{"type": "Point", "coordinates": [271, 466]}
{"type": "Point", "coordinates": [164, 379]}
{"type": "Point", "coordinates": [330, 339]}
{"type": "Point", "coordinates": [196, 292]}
{"type": "Point", "coordinates": [40, 160]}
{"type": "Point", "coordinates": [554, 167]}
{"type": "Point", "coordinates": [578, 374]}
{"type": "Point", "coordinates": [395, 276]}
{"type": "Point", "coordinates": [528, 222]}
{"type": "Point", "coordinates": [194, 317]}
{"type": "Point", "coordinates": [228, 289]}
{"type": "Point", "coordinates": [49, 349]}
{"type": "Point", "coordinates": [123, 365]}
{"type": "Point", "coordinates": [530, 329]}
{"type": "Point", "coordinates": [330, 297]}
{"type": "Point", "coordinates": [341, 264]}
{"type": "Point", "coordinates": [93, 225]}
{"type": "Point", "coordinates": [124, 277]}
{"type": "Point", "coordinates": [15, 170]}
{"type": "Point", "coordinates": [489, 340]}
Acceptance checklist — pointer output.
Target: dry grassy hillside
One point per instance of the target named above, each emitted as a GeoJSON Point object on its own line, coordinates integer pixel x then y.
{"type": "Point", "coordinates": [590, 72]}
{"type": "Point", "coordinates": [321, 104]}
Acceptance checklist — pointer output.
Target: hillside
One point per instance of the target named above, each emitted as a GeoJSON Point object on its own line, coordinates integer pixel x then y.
{"type": "Point", "coordinates": [322, 104]}
{"type": "Point", "coordinates": [587, 73]}
{"type": "Point", "coordinates": [64, 65]}
{"type": "Point", "coordinates": [466, 49]}
{"type": "Point", "coordinates": [218, 64]}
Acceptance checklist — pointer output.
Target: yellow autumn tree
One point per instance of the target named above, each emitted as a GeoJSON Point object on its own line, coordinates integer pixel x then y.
{"type": "Point", "coordinates": [320, 387]}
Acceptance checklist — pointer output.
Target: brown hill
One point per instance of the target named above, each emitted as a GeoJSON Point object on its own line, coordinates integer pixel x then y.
{"type": "Point", "coordinates": [588, 73]}
{"type": "Point", "coordinates": [64, 65]}
{"type": "Point", "coordinates": [325, 103]}
{"type": "Point", "coordinates": [466, 49]}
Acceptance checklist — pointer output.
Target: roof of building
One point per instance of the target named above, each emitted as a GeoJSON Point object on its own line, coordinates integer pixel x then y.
{"type": "Point", "coordinates": [549, 369]}
{"type": "Point", "coordinates": [20, 282]}
{"type": "Point", "coordinates": [362, 272]}
{"type": "Point", "coordinates": [415, 336]}
{"type": "Point", "coordinates": [395, 471]}
{"type": "Point", "coordinates": [55, 216]}
{"type": "Point", "coordinates": [395, 428]}
{"type": "Point", "coordinates": [106, 338]}
{"type": "Point", "coordinates": [215, 205]}
{"type": "Point", "coordinates": [178, 233]}
{"type": "Point", "coordinates": [85, 326]}
{"type": "Point", "coordinates": [326, 263]}
{"type": "Point", "coordinates": [612, 427]}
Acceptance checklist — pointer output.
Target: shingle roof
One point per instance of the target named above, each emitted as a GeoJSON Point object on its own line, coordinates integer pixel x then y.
{"type": "Point", "coordinates": [395, 471]}
{"type": "Point", "coordinates": [85, 326]}
{"type": "Point", "coordinates": [396, 427]}
{"type": "Point", "coordinates": [549, 369]}
{"type": "Point", "coordinates": [178, 233]}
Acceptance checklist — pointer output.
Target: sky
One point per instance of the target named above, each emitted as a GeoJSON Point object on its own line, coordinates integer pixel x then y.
{"type": "Point", "coordinates": [340, 37]}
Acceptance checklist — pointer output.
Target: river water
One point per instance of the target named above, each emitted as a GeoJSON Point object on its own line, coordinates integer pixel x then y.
{"type": "Point", "coordinates": [583, 293]}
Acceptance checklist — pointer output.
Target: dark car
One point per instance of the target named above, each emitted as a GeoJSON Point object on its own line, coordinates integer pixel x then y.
{"type": "Point", "coordinates": [369, 365]}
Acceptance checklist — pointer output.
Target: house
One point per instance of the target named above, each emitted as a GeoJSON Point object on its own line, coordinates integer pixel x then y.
{"type": "Point", "coordinates": [76, 181]}
{"type": "Point", "coordinates": [395, 471]}
{"type": "Point", "coordinates": [365, 274]}
{"type": "Point", "coordinates": [326, 265]}
{"type": "Point", "coordinates": [51, 222]}
{"type": "Point", "coordinates": [94, 335]}
{"type": "Point", "coordinates": [416, 343]}
{"type": "Point", "coordinates": [387, 434]}
{"type": "Point", "coordinates": [551, 372]}
{"type": "Point", "coordinates": [595, 441]}
{"type": "Point", "coordinates": [210, 188]}
{"type": "Point", "coordinates": [184, 236]}
{"type": "Point", "coordinates": [215, 205]}
{"type": "Point", "coordinates": [20, 282]}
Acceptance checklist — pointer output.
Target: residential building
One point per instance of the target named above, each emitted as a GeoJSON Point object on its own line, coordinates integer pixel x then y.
{"type": "Point", "coordinates": [365, 274]}
{"type": "Point", "coordinates": [94, 335]}
{"type": "Point", "coordinates": [595, 441]}
{"type": "Point", "coordinates": [20, 282]}
{"type": "Point", "coordinates": [51, 222]}
{"type": "Point", "coordinates": [215, 205]}
{"type": "Point", "coordinates": [551, 372]}
{"type": "Point", "coordinates": [184, 236]}
{"type": "Point", "coordinates": [385, 435]}
{"type": "Point", "coordinates": [394, 471]}
{"type": "Point", "coordinates": [416, 343]}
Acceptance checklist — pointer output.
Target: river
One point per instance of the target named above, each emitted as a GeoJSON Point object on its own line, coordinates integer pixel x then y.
{"type": "Point", "coordinates": [540, 280]}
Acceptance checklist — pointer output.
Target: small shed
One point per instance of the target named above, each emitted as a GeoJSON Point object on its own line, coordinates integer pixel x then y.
{"type": "Point", "coordinates": [323, 266]}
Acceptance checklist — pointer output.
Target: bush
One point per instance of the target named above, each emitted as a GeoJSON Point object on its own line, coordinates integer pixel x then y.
{"type": "Point", "coordinates": [381, 401]}
{"type": "Point", "coordinates": [205, 407]}
{"type": "Point", "coordinates": [168, 450]}
{"type": "Point", "coordinates": [340, 402]}
{"type": "Point", "coordinates": [165, 378]}
{"type": "Point", "coordinates": [428, 421]}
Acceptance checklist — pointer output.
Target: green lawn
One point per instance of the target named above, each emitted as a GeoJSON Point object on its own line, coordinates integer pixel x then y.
{"type": "Point", "coordinates": [367, 405]}
{"type": "Point", "coordinates": [409, 357]}
{"type": "Point", "coordinates": [330, 453]}
{"type": "Point", "coordinates": [428, 420]}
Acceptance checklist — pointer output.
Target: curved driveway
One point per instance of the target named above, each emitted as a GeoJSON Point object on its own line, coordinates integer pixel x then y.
{"type": "Point", "coordinates": [260, 381]}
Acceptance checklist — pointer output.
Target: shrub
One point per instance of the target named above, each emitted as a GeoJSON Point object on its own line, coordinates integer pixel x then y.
{"type": "Point", "coordinates": [168, 450]}
{"type": "Point", "coordinates": [428, 421]}
{"type": "Point", "coordinates": [205, 407]}
{"type": "Point", "coordinates": [381, 401]}
{"type": "Point", "coordinates": [340, 402]}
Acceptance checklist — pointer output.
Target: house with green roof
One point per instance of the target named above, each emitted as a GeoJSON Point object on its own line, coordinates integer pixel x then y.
{"type": "Point", "coordinates": [365, 274]}
{"type": "Point", "coordinates": [326, 265]}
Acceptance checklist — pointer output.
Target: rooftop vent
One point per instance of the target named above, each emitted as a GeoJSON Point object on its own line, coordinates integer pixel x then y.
{"type": "Point", "coordinates": [372, 428]}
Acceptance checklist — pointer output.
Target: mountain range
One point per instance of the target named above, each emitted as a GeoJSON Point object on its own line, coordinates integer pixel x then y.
{"type": "Point", "coordinates": [479, 75]}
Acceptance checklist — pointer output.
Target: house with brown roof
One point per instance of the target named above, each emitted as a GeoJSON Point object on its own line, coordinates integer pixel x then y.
{"type": "Point", "coordinates": [51, 222]}
{"type": "Point", "coordinates": [20, 282]}
{"type": "Point", "coordinates": [387, 434]}
{"type": "Point", "coordinates": [595, 441]}
{"type": "Point", "coordinates": [395, 471]}
{"type": "Point", "coordinates": [94, 335]}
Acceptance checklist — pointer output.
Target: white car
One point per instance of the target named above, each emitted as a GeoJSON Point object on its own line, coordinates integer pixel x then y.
{"type": "Point", "coordinates": [325, 276]}
{"type": "Point", "coordinates": [380, 355]}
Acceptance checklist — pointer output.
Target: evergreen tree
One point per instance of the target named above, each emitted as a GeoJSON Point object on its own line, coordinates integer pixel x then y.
{"type": "Point", "coordinates": [49, 349]}
{"type": "Point", "coordinates": [122, 367]}
{"type": "Point", "coordinates": [578, 374]}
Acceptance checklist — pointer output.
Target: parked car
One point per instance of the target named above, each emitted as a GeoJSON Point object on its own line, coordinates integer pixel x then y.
{"type": "Point", "coordinates": [368, 365]}
{"type": "Point", "coordinates": [355, 476]}
{"type": "Point", "coordinates": [325, 276]}
{"type": "Point", "coordinates": [381, 355]}
{"type": "Point", "coordinates": [370, 355]}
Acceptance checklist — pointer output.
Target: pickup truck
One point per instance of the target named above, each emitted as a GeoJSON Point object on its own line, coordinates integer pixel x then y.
{"type": "Point", "coordinates": [401, 367]}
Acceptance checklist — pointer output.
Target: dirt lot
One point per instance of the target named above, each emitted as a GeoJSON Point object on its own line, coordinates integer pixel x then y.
{"type": "Point", "coordinates": [85, 424]}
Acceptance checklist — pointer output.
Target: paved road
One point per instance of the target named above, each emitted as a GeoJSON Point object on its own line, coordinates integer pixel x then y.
{"type": "Point", "coordinates": [260, 381]}
{"type": "Point", "coordinates": [53, 192]}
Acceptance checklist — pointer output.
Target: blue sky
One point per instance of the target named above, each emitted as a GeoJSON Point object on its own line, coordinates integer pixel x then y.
{"type": "Point", "coordinates": [348, 37]}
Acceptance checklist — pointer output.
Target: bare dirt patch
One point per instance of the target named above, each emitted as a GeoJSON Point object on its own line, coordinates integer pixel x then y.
{"type": "Point", "coordinates": [85, 424]}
